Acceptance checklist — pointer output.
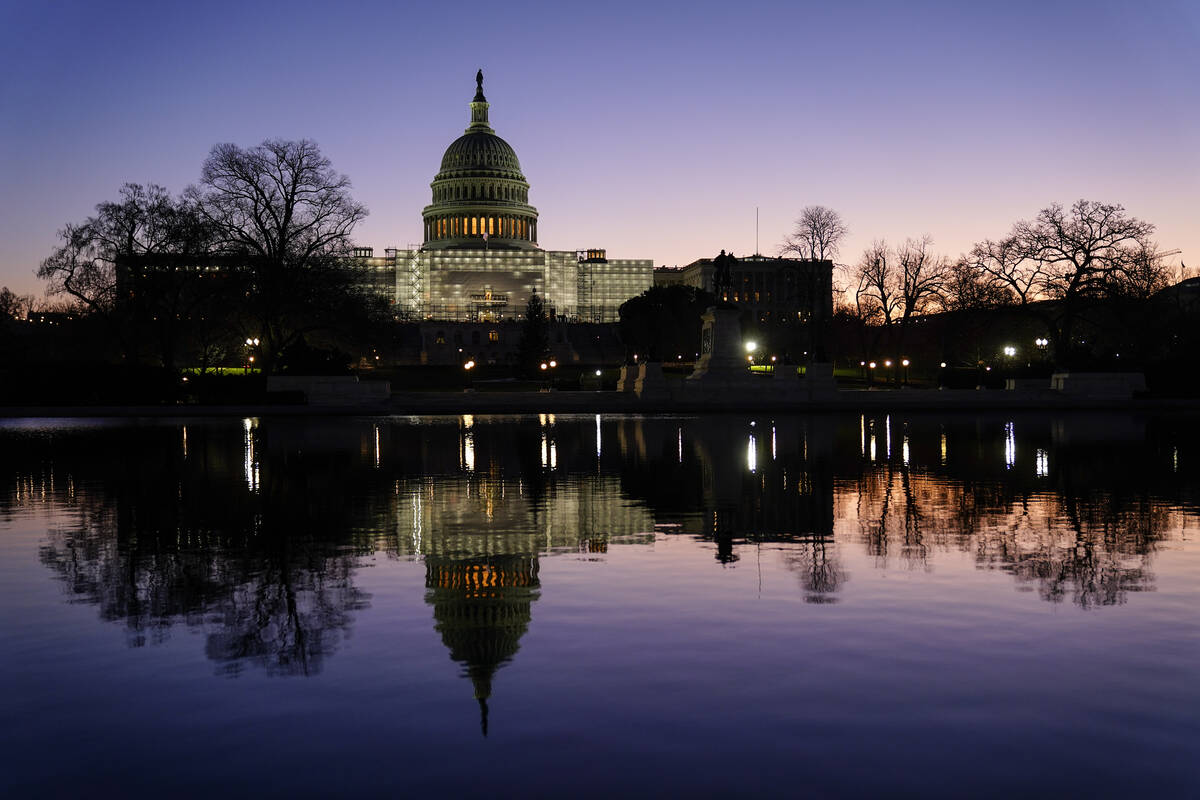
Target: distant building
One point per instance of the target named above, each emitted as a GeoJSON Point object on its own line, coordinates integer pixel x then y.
{"type": "Point", "coordinates": [480, 260]}
{"type": "Point", "coordinates": [785, 301]}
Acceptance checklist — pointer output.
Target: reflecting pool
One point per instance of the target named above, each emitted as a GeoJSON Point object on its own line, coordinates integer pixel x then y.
{"type": "Point", "coordinates": [816, 605]}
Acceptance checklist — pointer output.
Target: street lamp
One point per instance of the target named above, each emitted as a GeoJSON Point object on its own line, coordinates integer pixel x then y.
{"type": "Point", "coordinates": [904, 363]}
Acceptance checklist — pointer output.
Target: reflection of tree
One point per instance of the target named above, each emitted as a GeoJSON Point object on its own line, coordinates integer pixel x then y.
{"type": "Point", "coordinates": [816, 562]}
{"type": "Point", "coordinates": [481, 608]}
{"type": "Point", "coordinates": [155, 539]}
{"type": "Point", "coordinates": [1090, 539]}
{"type": "Point", "coordinates": [1093, 552]}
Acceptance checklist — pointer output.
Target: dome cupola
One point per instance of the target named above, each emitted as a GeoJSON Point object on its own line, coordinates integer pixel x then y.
{"type": "Point", "coordinates": [480, 197]}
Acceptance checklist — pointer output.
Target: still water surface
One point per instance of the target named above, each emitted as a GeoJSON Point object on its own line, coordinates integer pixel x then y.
{"type": "Point", "coordinates": [791, 606]}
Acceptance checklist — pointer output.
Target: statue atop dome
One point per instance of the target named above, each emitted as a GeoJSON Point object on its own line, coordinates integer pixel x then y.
{"type": "Point", "coordinates": [479, 87]}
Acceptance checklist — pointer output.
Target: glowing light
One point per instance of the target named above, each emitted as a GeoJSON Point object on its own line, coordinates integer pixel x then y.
{"type": "Point", "coordinates": [597, 436]}
{"type": "Point", "coordinates": [469, 365]}
{"type": "Point", "coordinates": [751, 346]}
{"type": "Point", "coordinates": [544, 365]}
{"type": "Point", "coordinates": [871, 365]}
{"type": "Point", "coordinates": [251, 461]}
{"type": "Point", "coordinates": [1010, 445]}
{"type": "Point", "coordinates": [862, 434]}
{"type": "Point", "coordinates": [943, 449]}
{"type": "Point", "coordinates": [376, 447]}
{"type": "Point", "coordinates": [752, 454]}
{"type": "Point", "coordinates": [1042, 463]}
{"type": "Point", "coordinates": [468, 460]}
{"type": "Point", "coordinates": [1010, 351]}
{"type": "Point", "coordinates": [887, 362]}
{"type": "Point", "coordinates": [553, 363]}
{"type": "Point", "coordinates": [905, 362]}
{"type": "Point", "coordinates": [942, 365]}
{"type": "Point", "coordinates": [597, 373]}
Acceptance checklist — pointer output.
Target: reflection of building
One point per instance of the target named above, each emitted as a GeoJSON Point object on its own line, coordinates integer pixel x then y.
{"type": "Point", "coordinates": [480, 260]}
{"type": "Point", "coordinates": [481, 608]}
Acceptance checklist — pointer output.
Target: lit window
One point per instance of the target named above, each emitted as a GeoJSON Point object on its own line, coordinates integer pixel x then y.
{"type": "Point", "coordinates": [493, 336]}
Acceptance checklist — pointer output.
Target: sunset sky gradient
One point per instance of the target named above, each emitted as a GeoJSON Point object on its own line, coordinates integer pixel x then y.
{"type": "Point", "coordinates": [653, 130]}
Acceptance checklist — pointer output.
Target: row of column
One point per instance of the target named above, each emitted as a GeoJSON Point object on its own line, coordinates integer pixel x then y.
{"type": "Point", "coordinates": [458, 227]}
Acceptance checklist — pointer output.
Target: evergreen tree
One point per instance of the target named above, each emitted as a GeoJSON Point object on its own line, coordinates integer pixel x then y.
{"type": "Point", "coordinates": [535, 337]}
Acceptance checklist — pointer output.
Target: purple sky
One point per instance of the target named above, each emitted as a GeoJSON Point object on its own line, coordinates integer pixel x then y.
{"type": "Point", "coordinates": [650, 129]}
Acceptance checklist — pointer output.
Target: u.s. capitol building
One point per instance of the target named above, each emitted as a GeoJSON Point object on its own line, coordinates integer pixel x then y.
{"type": "Point", "coordinates": [480, 260]}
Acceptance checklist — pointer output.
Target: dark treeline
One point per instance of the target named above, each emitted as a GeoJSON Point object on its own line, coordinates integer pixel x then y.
{"type": "Point", "coordinates": [1078, 288]}
{"type": "Point", "coordinates": [1084, 287]}
{"type": "Point", "coordinates": [252, 270]}
{"type": "Point", "coordinates": [248, 266]}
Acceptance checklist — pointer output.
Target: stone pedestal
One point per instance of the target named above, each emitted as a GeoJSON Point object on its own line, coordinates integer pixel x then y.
{"type": "Point", "coordinates": [626, 378]}
{"type": "Point", "coordinates": [722, 356]}
{"type": "Point", "coordinates": [650, 382]}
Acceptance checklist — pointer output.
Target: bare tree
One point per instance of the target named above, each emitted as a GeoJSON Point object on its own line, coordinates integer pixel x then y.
{"type": "Point", "coordinates": [115, 265]}
{"type": "Point", "coordinates": [922, 276]}
{"type": "Point", "coordinates": [818, 234]}
{"type": "Point", "coordinates": [84, 266]}
{"type": "Point", "coordinates": [13, 305]}
{"type": "Point", "coordinates": [282, 209]}
{"type": "Point", "coordinates": [877, 296]}
{"type": "Point", "coordinates": [1008, 264]}
{"type": "Point", "coordinates": [969, 288]}
{"type": "Point", "coordinates": [1145, 274]}
{"type": "Point", "coordinates": [1078, 255]}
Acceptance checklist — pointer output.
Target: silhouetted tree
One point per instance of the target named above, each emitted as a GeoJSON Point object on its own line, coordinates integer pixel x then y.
{"type": "Point", "coordinates": [534, 346]}
{"type": "Point", "coordinates": [282, 210]}
{"type": "Point", "coordinates": [134, 264]}
{"type": "Point", "coordinates": [1076, 258]}
{"type": "Point", "coordinates": [818, 234]}
{"type": "Point", "coordinates": [664, 322]}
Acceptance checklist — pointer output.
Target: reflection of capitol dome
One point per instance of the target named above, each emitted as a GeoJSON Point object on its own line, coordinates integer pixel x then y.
{"type": "Point", "coordinates": [481, 608]}
{"type": "Point", "coordinates": [479, 193]}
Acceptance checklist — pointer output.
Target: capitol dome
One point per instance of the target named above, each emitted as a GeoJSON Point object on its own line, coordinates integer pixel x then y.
{"type": "Point", "coordinates": [480, 197]}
